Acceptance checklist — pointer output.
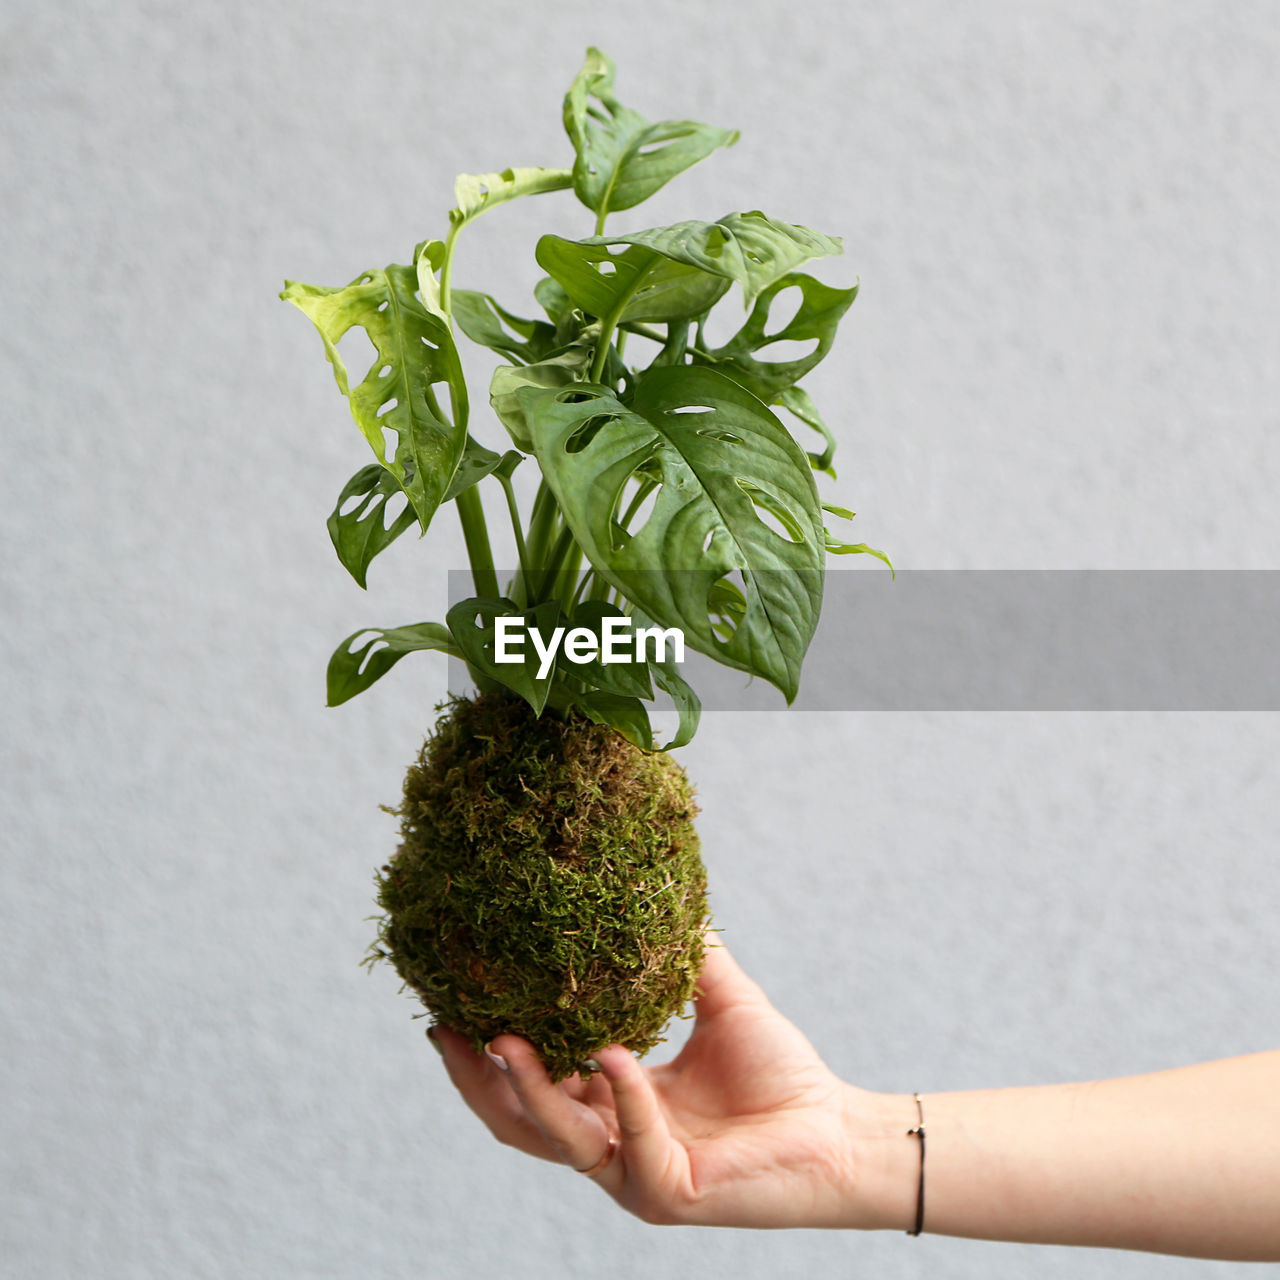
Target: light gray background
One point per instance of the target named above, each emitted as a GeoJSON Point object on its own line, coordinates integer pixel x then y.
{"type": "Point", "coordinates": [1064, 219]}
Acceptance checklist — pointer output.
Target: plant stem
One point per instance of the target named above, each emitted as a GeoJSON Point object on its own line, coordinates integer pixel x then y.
{"type": "Point", "coordinates": [476, 534]}
{"type": "Point", "coordinates": [446, 267]}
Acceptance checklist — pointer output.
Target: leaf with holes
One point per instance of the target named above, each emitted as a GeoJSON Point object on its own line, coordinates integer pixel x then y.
{"type": "Point", "coordinates": [396, 397]}
{"type": "Point", "coordinates": [728, 468]}
{"type": "Point", "coordinates": [678, 272]}
{"type": "Point", "coordinates": [476, 193]}
{"type": "Point", "coordinates": [622, 159]}
{"type": "Point", "coordinates": [353, 668]}
{"type": "Point", "coordinates": [490, 325]}
{"type": "Point", "coordinates": [799, 403]}
{"type": "Point", "coordinates": [636, 283]}
{"type": "Point", "coordinates": [815, 320]}
{"type": "Point", "coordinates": [472, 624]}
{"type": "Point", "coordinates": [559, 370]}
{"type": "Point", "coordinates": [358, 526]}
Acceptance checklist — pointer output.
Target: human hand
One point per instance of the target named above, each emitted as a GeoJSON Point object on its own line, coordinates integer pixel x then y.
{"type": "Point", "coordinates": [746, 1127]}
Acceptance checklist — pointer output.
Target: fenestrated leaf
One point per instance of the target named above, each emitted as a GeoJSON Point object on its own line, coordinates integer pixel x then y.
{"type": "Point", "coordinates": [476, 193]}
{"type": "Point", "coordinates": [361, 532]}
{"type": "Point", "coordinates": [353, 668]}
{"type": "Point", "coordinates": [486, 322]}
{"type": "Point", "coordinates": [797, 401]}
{"type": "Point", "coordinates": [627, 715]}
{"type": "Point", "coordinates": [820, 310]}
{"type": "Point", "coordinates": [714, 443]}
{"type": "Point", "coordinates": [622, 159]}
{"type": "Point", "coordinates": [565, 367]}
{"type": "Point", "coordinates": [643, 283]}
{"type": "Point", "coordinates": [415, 352]}
{"type": "Point", "coordinates": [677, 272]}
{"type": "Point", "coordinates": [471, 623]}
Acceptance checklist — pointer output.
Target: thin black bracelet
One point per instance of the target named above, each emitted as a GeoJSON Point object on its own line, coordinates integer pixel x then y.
{"type": "Point", "coordinates": [918, 1132]}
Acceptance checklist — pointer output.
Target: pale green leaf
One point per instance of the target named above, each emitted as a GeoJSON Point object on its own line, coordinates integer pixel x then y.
{"type": "Point", "coordinates": [476, 193]}
{"type": "Point", "coordinates": [472, 625]}
{"type": "Point", "coordinates": [395, 404]}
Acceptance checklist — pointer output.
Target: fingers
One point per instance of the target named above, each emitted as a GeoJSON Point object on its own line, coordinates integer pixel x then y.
{"type": "Point", "coordinates": [487, 1092]}
{"type": "Point", "coordinates": [573, 1130]}
{"type": "Point", "coordinates": [650, 1155]}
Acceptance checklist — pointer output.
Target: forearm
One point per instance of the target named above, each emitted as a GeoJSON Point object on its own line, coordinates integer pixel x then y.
{"type": "Point", "coordinates": [1184, 1161]}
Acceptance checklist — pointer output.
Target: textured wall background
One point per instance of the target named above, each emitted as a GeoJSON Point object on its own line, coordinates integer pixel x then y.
{"type": "Point", "coordinates": [1064, 355]}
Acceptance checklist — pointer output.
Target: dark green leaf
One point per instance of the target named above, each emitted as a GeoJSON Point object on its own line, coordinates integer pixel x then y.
{"type": "Point", "coordinates": [622, 159]}
{"type": "Point", "coordinates": [477, 462]}
{"type": "Point", "coordinates": [637, 283]}
{"type": "Point", "coordinates": [361, 532]}
{"type": "Point", "coordinates": [395, 398]}
{"type": "Point", "coordinates": [472, 624]}
{"type": "Point", "coordinates": [627, 715]}
{"type": "Point", "coordinates": [687, 703]}
{"type": "Point", "coordinates": [718, 449]}
{"type": "Point", "coordinates": [627, 679]}
{"type": "Point", "coordinates": [486, 322]}
{"type": "Point", "coordinates": [353, 668]}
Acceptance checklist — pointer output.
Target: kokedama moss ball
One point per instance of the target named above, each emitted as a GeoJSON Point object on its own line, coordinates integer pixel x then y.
{"type": "Point", "coordinates": [548, 883]}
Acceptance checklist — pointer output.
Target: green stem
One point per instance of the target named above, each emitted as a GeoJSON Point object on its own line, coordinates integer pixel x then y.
{"type": "Point", "coordinates": [476, 534]}
{"type": "Point", "coordinates": [514, 511]}
{"type": "Point", "coordinates": [446, 267]}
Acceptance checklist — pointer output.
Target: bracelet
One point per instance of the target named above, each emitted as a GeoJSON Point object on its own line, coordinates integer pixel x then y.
{"type": "Point", "coordinates": [918, 1132]}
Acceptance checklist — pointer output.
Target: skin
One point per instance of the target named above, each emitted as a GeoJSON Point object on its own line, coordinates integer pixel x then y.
{"type": "Point", "coordinates": [747, 1127]}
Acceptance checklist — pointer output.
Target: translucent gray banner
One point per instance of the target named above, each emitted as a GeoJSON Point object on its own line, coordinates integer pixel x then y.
{"type": "Point", "coordinates": [1023, 640]}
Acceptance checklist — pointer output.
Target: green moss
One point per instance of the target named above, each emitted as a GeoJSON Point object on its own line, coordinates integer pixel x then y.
{"type": "Point", "coordinates": [548, 883]}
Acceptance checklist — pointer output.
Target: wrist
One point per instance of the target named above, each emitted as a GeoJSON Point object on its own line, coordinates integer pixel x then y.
{"type": "Point", "coordinates": [885, 1160]}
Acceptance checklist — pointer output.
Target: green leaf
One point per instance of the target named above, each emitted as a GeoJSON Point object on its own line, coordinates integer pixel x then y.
{"type": "Point", "coordinates": [622, 159]}
{"type": "Point", "coordinates": [798, 402]}
{"type": "Point", "coordinates": [485, 322]}
{"type": "Point", "coordinates": [678, 272]}
{"type": "Point", "coordinates": [637, 283]}
{"type": "Point", "coordinates": [353, 668]}
{"type": "Point", "coordinates": [626, 679]}
{"type": "Point", "coordinates": [477, 462]}
{"type": "Point", "coordinates": [415, 352]}
{"type": "Point", "coordinates": [361, 532]}
{"type": "Point", "coordinates": [837, 548]}
{"type": "Point", "coordinates": [718, 450]}
{"type": "Point", "coordinates": [820, 310]}
{"type": "Point", "coordinates": [687, 703]}
{"type": "Point", "coordinates": [472, 625]}
{"type": "Point", "coordinates": [476, 193]}
{"type": "Point", "coordinates": [565, 367]}
{"type": "Point", "coordinates": [627, 715]}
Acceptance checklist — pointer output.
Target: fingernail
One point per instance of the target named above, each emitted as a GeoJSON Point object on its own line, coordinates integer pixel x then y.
{"type": "Point", "coordinates": [496, 1058]}
{"type": "Point", "coordinates": [435, 1044]}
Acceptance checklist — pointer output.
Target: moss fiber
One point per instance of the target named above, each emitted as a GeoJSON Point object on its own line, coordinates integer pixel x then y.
{"type": "Point", "coordinates": [548, 882]}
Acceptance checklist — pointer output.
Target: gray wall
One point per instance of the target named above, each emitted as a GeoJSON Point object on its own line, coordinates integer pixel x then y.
{"type": "Point", "coordinates": [1064, 355]}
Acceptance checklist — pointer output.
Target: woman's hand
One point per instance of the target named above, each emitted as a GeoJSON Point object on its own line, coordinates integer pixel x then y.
{"type": "Point", "coordinates": [746, 1127]}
